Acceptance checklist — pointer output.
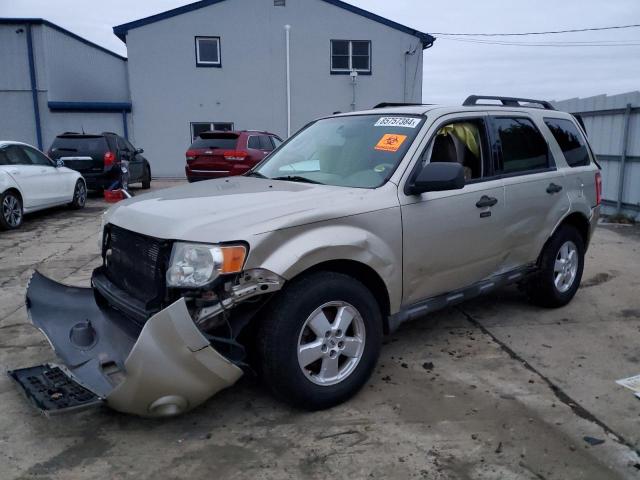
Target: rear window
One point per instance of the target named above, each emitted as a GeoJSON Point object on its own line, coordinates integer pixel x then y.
{"type": "Point", "coordinates": [214, 141]}
{"type": "Point", "coordinates": [73, 145]}
{"type": "Point", "coordinates": [523, 146]}
{"type": "Point", "coordinates": [570, 140]}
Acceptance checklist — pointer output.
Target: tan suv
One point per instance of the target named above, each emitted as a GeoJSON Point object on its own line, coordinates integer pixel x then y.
{"type": "Point", "coordinates": [356, 224]}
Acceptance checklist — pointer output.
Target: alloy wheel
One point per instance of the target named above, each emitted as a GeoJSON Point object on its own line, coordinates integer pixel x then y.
{"type": "Point", "coordinates": [11, 210]}
{"type": "Point", "coordinates": [80, 194]}
{"type": "Point", "coordinates": [331, 343]}
{"type": "Point", "coordinates": [565, 267]}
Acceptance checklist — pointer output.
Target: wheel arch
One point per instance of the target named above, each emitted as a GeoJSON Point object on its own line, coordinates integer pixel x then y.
{"type": "Point", "coordinates": [577, 220]}
{"type": "Point", "coordinates": [362, 273]}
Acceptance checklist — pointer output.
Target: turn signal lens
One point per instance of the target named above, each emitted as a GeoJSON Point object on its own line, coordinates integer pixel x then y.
{"type": "Point", "coordinates": [598, 188]}
{"type": "Point", "coordinates": [233, 259]}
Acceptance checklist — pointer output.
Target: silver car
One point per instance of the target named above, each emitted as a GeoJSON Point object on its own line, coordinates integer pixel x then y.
{"type": "Point", "coordinates": [356, 224]}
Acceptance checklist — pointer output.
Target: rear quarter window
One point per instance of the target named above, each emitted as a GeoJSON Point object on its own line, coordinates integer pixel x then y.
{"type": "Point", "coordinates": [570, 140]}
{"type": "Point", "coordinates": [523, 146]}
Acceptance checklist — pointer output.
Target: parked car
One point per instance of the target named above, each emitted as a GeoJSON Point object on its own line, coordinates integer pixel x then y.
{"type": "Point", "coordinates": [355, 225]}
{"type": "Point", "coordinates": [225, 154]}
{"type": "Point", "coordinates": [98, 157]}
{"type": "Point", "coordinates": [30, 181]}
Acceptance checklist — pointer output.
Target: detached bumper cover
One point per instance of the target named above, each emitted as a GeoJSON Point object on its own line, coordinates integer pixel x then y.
{"type": "Point", "coordinates": [164, 369]}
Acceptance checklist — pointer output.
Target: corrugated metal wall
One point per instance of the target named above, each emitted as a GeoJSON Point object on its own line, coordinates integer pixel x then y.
{"type": "Point", "coordinates": [613, 127]}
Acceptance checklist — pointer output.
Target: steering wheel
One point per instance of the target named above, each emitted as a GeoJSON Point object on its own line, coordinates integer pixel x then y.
{"type": "Point", "coordinates": [380, 168]}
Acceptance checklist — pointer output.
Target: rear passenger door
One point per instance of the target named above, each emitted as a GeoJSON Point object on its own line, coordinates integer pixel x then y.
{"type": "Point", "coordinates": [27, 176]}
{"type": "Point", "coordinates": [128, 152]}
{"type": "Point", "coordinates": [535, 192]}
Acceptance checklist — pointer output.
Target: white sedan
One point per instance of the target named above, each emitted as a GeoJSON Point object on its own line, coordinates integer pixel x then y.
{"type": "Point", "coordinates": [30, 181]}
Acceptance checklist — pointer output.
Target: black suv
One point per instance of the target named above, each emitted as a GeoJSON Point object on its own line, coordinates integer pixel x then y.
{"type": "Point", "coordinates": [98, 158]}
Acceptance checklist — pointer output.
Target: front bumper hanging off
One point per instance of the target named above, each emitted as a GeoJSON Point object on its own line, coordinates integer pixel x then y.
{"type": "Point", "coordinates": [164, 369]}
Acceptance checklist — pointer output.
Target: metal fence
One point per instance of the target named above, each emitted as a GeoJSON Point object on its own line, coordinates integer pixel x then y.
{"type": "Point", "coordinates": [613, 127]}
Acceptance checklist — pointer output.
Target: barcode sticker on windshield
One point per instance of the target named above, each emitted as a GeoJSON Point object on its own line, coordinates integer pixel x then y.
{"type": "Point", "coordinates": [406, 122]}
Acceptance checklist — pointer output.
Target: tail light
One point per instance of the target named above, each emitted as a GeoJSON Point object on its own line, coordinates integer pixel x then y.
{"type": "Point", "coordinates": [109, 159]}
{"type": "Point", "coordinates": [234, 155]}
{"type": "Point", "coordinates": [598, 188]}
{"type": "Point", "coordinates": [191, 155]}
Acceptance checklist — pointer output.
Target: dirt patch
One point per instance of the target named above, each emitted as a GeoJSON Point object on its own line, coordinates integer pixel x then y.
{"type": "Point", "coordinates": [597, 279]}
{"type": "Point", "coordinates": [630, 313]}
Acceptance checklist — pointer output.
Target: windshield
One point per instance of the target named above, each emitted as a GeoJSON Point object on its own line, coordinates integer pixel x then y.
{"type": "Point", "coordinates": [356, 151]}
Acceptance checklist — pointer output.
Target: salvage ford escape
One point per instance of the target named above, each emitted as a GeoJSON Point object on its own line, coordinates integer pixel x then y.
{"type": "Point", "coordinates": [295, 270]}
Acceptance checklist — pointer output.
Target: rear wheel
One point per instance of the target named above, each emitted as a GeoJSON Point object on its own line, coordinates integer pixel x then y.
{"type": "Point", "coordinates": [320, 341]}
{"type": "Point", "coordinates": [146, 179]}
{"type": "Point", "coordinates": [11, 205]}
{"type": "Point", "coordinates": [79, 195]}
{"type": "Point", "coordinates": [561, 266]}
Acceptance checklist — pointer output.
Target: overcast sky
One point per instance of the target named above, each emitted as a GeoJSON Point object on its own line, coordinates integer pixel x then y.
{"type": "Point", "coordinates": [452, 68]}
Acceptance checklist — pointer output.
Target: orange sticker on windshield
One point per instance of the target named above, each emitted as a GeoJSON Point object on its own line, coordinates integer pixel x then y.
{"type": "Point", "coordinates": [390, 142]}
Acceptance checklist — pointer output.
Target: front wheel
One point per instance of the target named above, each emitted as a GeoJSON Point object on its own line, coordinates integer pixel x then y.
{"type": "Point", "coordinates": [320, 341]}
{"type": "Point", "coordinates": [11, 205]}
{"type": "Point", "coordinates": [146, 178]}
{"type": "Point", "coordinates": [79, 195]}
{"type": "Point", "coordinates": [560, 269]}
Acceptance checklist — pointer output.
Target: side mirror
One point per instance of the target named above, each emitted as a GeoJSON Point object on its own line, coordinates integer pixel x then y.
{"type": "Point", "coordinates": [139, 150]}
{"type": "Point", "coordinates": [438, 177]}
{"type": "Point", "coordinates": [59, 163]}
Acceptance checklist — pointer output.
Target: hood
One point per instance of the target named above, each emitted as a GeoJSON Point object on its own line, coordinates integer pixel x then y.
{"type": "Point", "coordinates": [236, 208]}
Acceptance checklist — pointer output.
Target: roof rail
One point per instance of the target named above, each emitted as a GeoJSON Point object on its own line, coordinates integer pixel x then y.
{"type": "Point", "coordinates": [400, 104]}
{"type": "Point", "coordinates": [472, 101]}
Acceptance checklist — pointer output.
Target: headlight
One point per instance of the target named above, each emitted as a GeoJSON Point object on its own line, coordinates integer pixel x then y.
{"type": "Point", "coordinates": [194, 265]}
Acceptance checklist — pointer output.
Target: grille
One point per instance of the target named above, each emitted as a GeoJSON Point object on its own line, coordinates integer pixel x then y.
{"type": "Point", "coordinates": [136, 264]}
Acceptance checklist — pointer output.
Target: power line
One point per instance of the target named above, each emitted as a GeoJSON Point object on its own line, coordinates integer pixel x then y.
{"type": "Point", "coordinates": [593, 29]}
{"type": "Point", "coordinates": [604, 43]}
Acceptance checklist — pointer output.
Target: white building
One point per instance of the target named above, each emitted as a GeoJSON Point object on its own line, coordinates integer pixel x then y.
{"type": "Point", "coordinates": [224, 64]}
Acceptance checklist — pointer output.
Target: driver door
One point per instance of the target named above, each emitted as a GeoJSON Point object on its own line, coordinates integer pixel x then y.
{"type": "Point", "coordinates": [451, 239]}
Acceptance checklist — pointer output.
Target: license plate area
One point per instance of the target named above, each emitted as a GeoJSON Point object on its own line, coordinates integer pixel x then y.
{"type": "Point", "coordinates": [52, 391]}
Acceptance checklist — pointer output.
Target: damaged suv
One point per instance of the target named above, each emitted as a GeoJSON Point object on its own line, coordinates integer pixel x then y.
{"type": "Point", "coordinates": [296, 270]}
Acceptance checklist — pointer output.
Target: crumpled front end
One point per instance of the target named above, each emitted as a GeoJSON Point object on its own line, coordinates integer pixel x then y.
{"type": "Point", "coordinates": [166, 367]}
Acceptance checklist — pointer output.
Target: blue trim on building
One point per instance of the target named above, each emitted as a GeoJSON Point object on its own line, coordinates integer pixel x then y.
{"type": "Point", "coordinates": [34, 87]}
{"type": "Point", "coordinates": [90, 106]}
{"type": "Point", "coordinates": [121, 30]}
{"type": "Point", "coordinates": [41, 21]}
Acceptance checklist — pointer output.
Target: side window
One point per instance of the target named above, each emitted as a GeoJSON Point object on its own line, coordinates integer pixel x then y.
{"type": "Point", "coordinates": [122, 144]}
{"type": "Point", "coordinates": [523, 146]}
{"type": "Point", "coordinates": [463, 142]}
{"type": "Point", "coordinates": [3, 158]}
{"type": "Point", "coordinates": [37, 158]}
{"type": "Point", "coordinates": [276, 142]}
{"type": "Point", "coordinates": [571, 141]}
{"type": "Point", "coordinates": [265, 143]}
{"type": "Point", "coordinates": [16, 156]}
{"type": "Point", "coordinates": [254, 142]}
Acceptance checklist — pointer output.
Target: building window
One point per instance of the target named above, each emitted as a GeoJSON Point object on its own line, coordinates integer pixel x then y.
{"type": "Point", "coordinates": [279, 3]}
{"type": "Point", "coordinates": [348, 55]}
{"type": "Point", "coordinates": [198, 127]}
{"type": "Point", "coordinates": [208, 52]}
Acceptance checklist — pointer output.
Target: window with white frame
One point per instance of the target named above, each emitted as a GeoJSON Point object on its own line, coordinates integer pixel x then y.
{"type": "Point", "coordinates": [208, 52]}
{"type": "Point", "coordinates": [198, 127]}
{"type": "Point", "coordinates": [348, 55]}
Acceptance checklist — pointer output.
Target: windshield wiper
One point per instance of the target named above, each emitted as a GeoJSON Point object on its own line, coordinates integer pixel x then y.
{"type": "Point", "coordinates": [255, 174]}
{"type": "Point", "coordinates": [298, 178]}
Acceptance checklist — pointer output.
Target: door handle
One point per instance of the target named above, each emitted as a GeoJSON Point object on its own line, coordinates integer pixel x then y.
{"type": "Point", "coordinates": [553, 188]}
{"type": "Point", "coordinates": [486, 201]}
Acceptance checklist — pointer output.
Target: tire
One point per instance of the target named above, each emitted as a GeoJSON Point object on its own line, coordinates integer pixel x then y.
{"type": "Point", "coordinates": [79, 195]}
{"type": "Point", "coordinates": [558, 280]}
{"type": "Point", "coordinates": [11, 212]}
{"type": "Point", "coordinates": [287, 326]}
{"type": "Point", "coordinates": [146, 179]}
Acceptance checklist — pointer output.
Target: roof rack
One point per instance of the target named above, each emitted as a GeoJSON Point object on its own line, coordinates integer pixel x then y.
{"type": "Point", "coordinates": [400, 104]}
{"type": "Point", "coordinates": [472, 101]}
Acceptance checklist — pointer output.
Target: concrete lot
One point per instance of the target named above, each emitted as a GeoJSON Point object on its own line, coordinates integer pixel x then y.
{"type": "Point", "coordinates": [494, 389]}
